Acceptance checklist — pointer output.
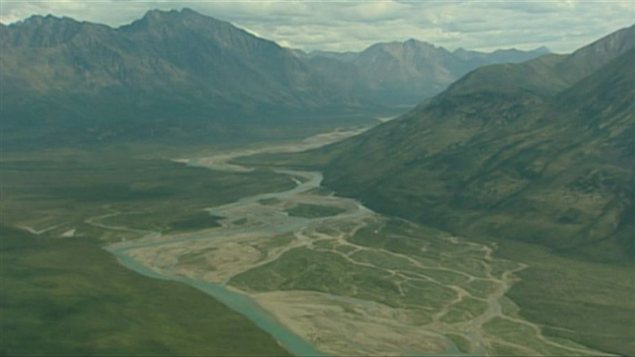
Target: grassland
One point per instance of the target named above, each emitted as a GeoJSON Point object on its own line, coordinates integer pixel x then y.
{"type": "Point", "coordinates": [70, 297]}
{"type": "Point", "coordinates": [394, 277]}
{"type": "Point", "coordinates": [580, 286]}
{"type": "Point", "coordinates": [387, 277]}
{"type": "Point", "coordinates": [383, 263]}
{"type": "Point", "coordinates": [59, 191]}
{"type": "Point", "coordinates": [67, 296]}
{"type": "Point", "coordinates": [590, 303]}
{"type": "Point", "coordinates": [313, 211]}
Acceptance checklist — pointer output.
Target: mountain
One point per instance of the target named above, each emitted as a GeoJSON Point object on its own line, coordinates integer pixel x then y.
{"type": "Point", "coordinates": [177, 76]}
{"type": "Point", "coordinates": [536, 159]}
{"type": "Point", "coordinates": [401, 73]}
{"type": "Point", "coordinates": [548, 75]}
{"type": "Point", "coordinates": [540, 151]}
{"type": "Point", "coordinates": [170, 72]}
{"type": "Point", "coordinates": [348, 56]}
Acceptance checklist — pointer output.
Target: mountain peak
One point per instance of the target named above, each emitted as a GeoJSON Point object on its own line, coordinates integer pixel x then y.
{"type": "Point", "coordinates": [542, 49]}
{"type": "Point", "coordinates": [49, 30]}
{"type": "Point", "coordinates": [413, 42]}
{"type": "Point", "coordinates": [398, 46]}
{"type": "Point", "coordinates": [610, 45]}
{"type": "Point", "coordinates": [175, 15]}
{"type": "Point", "coordinates": [595, 55]}
{"type": "Point", "coordinates": [186, 16]}
{"type": "Point", "coordinates": [40, 20]}
{"type": "Point", "coordinates": [189, 12]}
{"type": "Point", "coordinates": [156, 13]}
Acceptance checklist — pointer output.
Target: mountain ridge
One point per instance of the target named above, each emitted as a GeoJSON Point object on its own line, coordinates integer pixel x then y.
{"type": "Point", "coordinates": [536, 161]}
{"type": "Point", "coordinates": [169, 72]}
{"type": "Point", "coordinates": [169, 75]}
{"type": "Point", "coordinates": [405, 72]}
{"type": "Point", "coordinates": [492, 152]}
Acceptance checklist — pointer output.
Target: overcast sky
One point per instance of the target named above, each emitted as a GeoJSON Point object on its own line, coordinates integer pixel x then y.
{"type": "Point", "coordinates": [561, 25]}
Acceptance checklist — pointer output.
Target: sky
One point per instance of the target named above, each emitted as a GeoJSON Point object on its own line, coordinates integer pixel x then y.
{"type": "Point", "coordinates": [338, 25]}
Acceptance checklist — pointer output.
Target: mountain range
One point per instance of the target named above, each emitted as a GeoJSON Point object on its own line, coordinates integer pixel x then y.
{"type": "Point", "coordinates": [167, 72]}
{"type": "Point", "coordinates": [541, 151]}
{"type": "Point", "coordinates": [537, 160]}
{"type": "Point", "coordinates": [404, 73]}
{"type": "Point", "coordinates": [179, 73]}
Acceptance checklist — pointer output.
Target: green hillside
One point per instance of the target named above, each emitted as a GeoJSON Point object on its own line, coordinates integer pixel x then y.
{"type": "Point", "coordinates": [506, 152]}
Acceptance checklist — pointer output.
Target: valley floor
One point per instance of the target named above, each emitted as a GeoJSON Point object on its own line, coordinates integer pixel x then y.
{"type": "Point", "coordinates": [320, 273]}
{"type": "Point", "coordinates": [345, 279]}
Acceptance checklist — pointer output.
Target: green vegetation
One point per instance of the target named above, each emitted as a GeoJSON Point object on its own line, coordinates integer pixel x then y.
{"type": "Point", "coordinates": [466, 310]}
{"type": "Point", "coordinates": [183, 223]}
{"type": "Point", "coordinates": [202, 220]}
{"type": "Point", "coordinates": [500, 349]}
{"type": "Point", "coordinates": [479, 287]}
{"type": "Point", "coordinates": [321, 191]}
{"type": "Point", "coordinates": [416, 242]}
{"type": "Point", "coordinates": [269, 201]}
{"type": "Point", "coordinates": [392, 262]}
{"type": "Point", "coordinates": [63, 189]}
{"type": "Point", "coordinates": [586, 302]}
{"type": "Point", "coordinates": [240, 221]}
{"type": "Point", "coordinates": [381, 259]}
{"type": "Point", "coordinates": [382, 262]}
{"type": "Point", "coordinates": [313, 211]}
{"type": "Point", "coordinates": [70, 297]}
{"type": "Point", "coordinates": [64, 296]}
{"type": "Point", "coordinates": [541, 153]}
{"type": "Point", "coordinates": [461, 342]}
{"type": "Point", "coordinates": [275, 242]}
{"type": "Point", "coordinates": [345, 249]}
{"type": "Point", "coordinates": [522, 335]}
{"type": "Point", "coordinates": [304, 269]}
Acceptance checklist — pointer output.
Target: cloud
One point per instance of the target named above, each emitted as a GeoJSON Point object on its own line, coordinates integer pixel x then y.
{"type": "Point", "coordinates": [562, 25]}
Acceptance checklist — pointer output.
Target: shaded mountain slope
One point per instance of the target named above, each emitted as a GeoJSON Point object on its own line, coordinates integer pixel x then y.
{"type": "Point", "coordinates": [548, 75]}
{"type": "Point", "coordinates": [537, 157]}
{"type": "Point", "coordinates": [401, 73]}
{"type": "Point", "coordinates": [177, 76]}
{"type": "Point", "coordinates": [511, 151]}
{"type": "Point", "coordinates": [169, 72]}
